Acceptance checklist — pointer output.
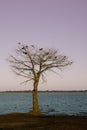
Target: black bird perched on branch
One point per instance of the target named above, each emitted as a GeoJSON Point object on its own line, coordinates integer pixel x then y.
{"type": "Point", "coordinates": [25, 53]}
{"type": "Point", "coordinates": [19, 43]}
{"type": "Point", "coordinates": [32, 45]}
{"type": "Point", "coordinates": [22, 48]}
{"type": "Point", "coordinates": [41, 49]}
{"type": "Point", "coordinates": [55, 57]}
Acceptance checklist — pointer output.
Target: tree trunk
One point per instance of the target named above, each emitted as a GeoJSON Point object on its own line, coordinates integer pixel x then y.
{"type": "Point", "coordinates": [35, 98]}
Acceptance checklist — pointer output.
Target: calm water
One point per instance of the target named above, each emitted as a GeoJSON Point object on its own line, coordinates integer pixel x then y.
{"type": "Point", "coordinates": [50, 103]}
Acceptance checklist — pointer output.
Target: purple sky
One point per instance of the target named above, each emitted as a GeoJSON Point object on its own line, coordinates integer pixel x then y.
{"type": "Point", "coordinates": [59, 24]}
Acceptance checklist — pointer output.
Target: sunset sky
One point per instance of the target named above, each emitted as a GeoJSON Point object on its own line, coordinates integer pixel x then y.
{"type": "Point", "coordinates": [58, 24]}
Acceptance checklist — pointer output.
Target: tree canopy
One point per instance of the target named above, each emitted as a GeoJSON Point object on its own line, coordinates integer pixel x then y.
{"type": "Point", "coordinates": [32, 62]}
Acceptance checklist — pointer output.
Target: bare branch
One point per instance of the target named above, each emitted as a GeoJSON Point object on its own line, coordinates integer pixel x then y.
{"type": "Point", "coordinates": [31, 62]}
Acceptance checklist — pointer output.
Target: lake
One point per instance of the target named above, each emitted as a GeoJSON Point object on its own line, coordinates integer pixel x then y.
{"type": "Point", "coordinates": [51, 103]}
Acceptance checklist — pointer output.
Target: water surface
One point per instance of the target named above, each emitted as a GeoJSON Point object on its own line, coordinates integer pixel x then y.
{"type": "Point", "coordinates": [59, 103]}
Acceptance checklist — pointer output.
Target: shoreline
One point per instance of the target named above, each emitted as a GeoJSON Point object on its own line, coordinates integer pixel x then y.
{"type": "Point", "coordinates": [47, 91]}
{"type": "Point", "coordinates": [25, 121]}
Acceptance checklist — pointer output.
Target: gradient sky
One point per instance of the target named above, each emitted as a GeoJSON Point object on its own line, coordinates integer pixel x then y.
{"type": "Point", "coordinates": [59, 24]}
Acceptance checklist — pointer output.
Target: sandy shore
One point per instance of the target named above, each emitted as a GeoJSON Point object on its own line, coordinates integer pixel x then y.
{"type": "Point", "coordinates": [19, 121]}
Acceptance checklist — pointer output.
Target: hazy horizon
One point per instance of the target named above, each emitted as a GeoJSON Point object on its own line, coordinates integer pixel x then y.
{"type": "Point", "coordinates": [58, 24]}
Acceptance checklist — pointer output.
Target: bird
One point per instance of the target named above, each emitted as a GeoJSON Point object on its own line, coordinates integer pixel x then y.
{"type": "Point", "coordinates": [19, 43]}
{"type": "Point", "coordinates": [32, 45]}
{"type": "Point", "coordinates": [25, 53]}
{"type": "Point", "coordinates": [47, 53]}
{"type": "Point", "coordinates": [26, 46]}
{"type": "Point", "coordinates": [41, 49]}
{"type": "Point", "coordinates": [22, 48]}
{"type": "Point", "coordinates": [64, 57]}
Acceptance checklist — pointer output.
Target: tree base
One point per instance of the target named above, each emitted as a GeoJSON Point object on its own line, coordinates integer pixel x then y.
{"type": "Point", "coordinates": [38, 113]}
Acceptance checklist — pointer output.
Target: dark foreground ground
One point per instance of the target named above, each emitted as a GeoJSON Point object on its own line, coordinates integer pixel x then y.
{"type": "Point", "coordinates": [28, 122]}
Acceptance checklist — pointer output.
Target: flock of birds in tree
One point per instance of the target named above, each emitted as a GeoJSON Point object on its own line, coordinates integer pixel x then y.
{"type": "Point", "coordinates": [33, 47]}
{"type": "Point", "coordinates": [27, 46]}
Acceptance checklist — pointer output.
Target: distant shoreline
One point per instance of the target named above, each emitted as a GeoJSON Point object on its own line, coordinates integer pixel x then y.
{"type": "Point", "coordinates": [47, 91]}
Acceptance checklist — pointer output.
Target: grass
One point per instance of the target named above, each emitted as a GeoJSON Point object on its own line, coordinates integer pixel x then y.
{"type": "Point", "coordinates": [26, 121]}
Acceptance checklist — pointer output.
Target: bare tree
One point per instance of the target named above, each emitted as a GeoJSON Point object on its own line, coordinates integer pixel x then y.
{"type": "Point", "coordinates": [32, 62]}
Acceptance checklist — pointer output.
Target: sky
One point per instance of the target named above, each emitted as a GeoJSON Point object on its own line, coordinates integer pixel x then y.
{"type": "Point", "coordinates": [58, 24]}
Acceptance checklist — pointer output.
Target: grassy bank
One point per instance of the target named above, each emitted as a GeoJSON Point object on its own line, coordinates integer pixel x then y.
{"type": "Point", "coordinates": [17, 121]}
